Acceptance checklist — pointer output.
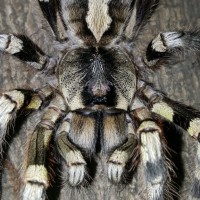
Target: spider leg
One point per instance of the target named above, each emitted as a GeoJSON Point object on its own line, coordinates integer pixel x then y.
{"type": "Point", "coordinates": [78, 141]}
{"type": "Point", "coordinates": [162, 48]}
{"type": "Point", "coordinates": [49, 10]}
{"type": "Point", "coordinates": [24, 49]}
{"type": "Point", "coordinates": [122, 154]}
{"type": "Point", "coordinates": [138, 15]}
{"type": "Point", "coordinates": [183, 116]}
{"type": "Point", "coordinates": [152, 153]}
{"type": "Point", "coordinates": [76, 164]}
{"type": "Point", "coordinates": [15, 100]}
{"type": "Point", "coordinates": [36, 178]}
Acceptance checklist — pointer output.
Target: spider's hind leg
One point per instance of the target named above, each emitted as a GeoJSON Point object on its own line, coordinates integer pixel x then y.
{"type": "Point", "coordinates": [49, 10]}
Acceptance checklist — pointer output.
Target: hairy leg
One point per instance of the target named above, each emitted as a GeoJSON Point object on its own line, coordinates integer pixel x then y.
{"type": "Point", "coordinates": [76, 164]}
{"type": "Point", "coordinates": [183, 116]}
{"type": "Point", "coordinates": [36, 178]}
{"type": "Point", "coordinates": [165, 45]}
{"type": "Point", "coordinates": [152, 154]}
{"type": "Point", "coordinates": [120, 157]}
{"type": "Point", "coordinates": [21, 47]}
{"type": "Point", "coordinates": [11, 102]}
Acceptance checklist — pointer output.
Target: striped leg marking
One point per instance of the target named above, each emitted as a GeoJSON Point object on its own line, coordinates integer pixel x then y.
{"type": "Point", "coordinates": [185, 117]}
{"type": "Point", "coordinates": [71, 155]}
{"type": "Point", "coordinates": [36, 175]}
{"type": "Point", "coordinates": [24, 49]}
{"type": "Point", "coordinates": [13, 101]}
{"type": "Point", "coordinates": [161, 48]}
{"type": "Point", "coordinates": [152, 155]}
{"type": "Point", "coordinates": [120, 157]}
{"type": "Point", "coordinates": [10, 102]}
{"type": "Point", "coordinates": [152, 160]}
{"type": "Point", "coordinates": [35, 187]}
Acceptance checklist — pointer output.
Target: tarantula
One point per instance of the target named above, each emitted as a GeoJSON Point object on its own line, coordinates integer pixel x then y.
{"type": "Point", "coordinates": [99, 102]}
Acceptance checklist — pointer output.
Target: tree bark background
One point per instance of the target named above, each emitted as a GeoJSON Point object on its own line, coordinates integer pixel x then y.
{"type": "Point", "coordinates": [181, 82]}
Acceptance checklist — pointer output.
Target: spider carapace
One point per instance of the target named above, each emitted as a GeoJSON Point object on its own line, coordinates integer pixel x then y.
{"type": "Point", "coordinates": [92, 78]}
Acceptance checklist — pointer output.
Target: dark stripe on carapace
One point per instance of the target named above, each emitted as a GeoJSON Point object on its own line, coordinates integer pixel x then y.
{"type": "Point", "coordinates": [98, 132]}
{"type": "Point", "coordinates": [99, 144]}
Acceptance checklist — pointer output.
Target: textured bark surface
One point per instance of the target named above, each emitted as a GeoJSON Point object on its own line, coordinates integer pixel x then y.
{"type": "Point", "coordinates": [180, 82]}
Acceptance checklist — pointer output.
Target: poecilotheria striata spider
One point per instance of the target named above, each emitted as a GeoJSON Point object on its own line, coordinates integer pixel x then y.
{"type": "Point", "coordinates": [97, 102]}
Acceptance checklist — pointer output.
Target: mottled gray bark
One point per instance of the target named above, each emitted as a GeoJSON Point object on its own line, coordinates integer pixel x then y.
{"type": "Point", "coordinates": [180, 82]}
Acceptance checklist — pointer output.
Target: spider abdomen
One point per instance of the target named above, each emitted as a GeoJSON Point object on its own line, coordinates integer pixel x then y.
{"type": "Point", "coordinates": [97, 76]}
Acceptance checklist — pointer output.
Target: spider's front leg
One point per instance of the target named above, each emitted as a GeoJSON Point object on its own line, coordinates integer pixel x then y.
{"type": "Point", "coordinates": [36, 178]}
{"type": "Point", "coordinates": [144, 146]}
{"type": "Point", "coordinates": [82, 134]}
